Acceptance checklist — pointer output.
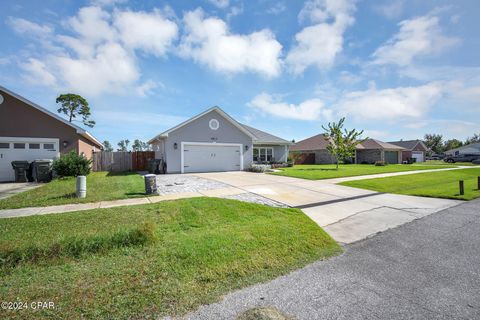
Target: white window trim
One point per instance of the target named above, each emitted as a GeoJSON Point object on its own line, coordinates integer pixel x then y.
{"type": "Point", "coordinates": [273, 152]}
{"type": "Point", "coordinates": [183, 143]}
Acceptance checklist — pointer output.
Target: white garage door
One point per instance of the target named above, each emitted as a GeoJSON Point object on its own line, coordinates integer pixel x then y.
{"type": "Point", "coordinates": [211, 157]}
{"type": "Point", "coordinates": [418, 155]}
{"type": "Point", "coordinates": [12, 149]}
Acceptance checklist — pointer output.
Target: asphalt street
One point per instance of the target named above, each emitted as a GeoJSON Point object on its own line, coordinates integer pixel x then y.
{"type": "Point", "coordinates": [426, 269]}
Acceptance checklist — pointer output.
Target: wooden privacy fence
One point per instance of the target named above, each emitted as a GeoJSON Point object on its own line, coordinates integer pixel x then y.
{"type": "Point", "coordinates": [121, 161]}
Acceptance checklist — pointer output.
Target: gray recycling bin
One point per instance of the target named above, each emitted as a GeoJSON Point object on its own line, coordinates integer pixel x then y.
{"type": "Point", "coordinates": [21, 170]}
{"type": "Point", "coordinates": [153, 165]}
{"type": "Point", "coordinates": [42, 170]}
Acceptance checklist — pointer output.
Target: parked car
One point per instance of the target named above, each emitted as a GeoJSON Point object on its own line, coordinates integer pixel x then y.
{"type": "Point", "coordinates": [467, 157]}
{"type": "Point", "coordinates": [476, 161]}
{"type": "Point", "coordinates": [435, 157]}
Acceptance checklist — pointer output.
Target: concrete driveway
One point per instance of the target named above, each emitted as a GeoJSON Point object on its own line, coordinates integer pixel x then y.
{"type": "Point", "coordinates": [8, 189]}
{"type": "Point", "coordinates": [427, 269]}
{"type": "Point", "coordinates": [347, 214]}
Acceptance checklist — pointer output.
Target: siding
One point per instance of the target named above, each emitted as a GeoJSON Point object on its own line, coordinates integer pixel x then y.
{"type": "Point", "coordinates": [199, 131]}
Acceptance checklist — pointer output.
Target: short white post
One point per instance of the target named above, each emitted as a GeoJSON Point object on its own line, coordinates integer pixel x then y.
{"type": "Point", "coordinates": [81, 186]}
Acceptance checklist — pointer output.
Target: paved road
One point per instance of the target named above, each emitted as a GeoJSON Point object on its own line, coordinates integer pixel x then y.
{"type": "Point", "coordinates": [426, 269]}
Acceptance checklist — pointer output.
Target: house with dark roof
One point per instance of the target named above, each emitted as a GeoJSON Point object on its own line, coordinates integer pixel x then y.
{"type": "Point", "coordinates": [314, 150]}
{"type": "Point", "coordinates": [214, 141]}
{"type": "Point", "coordinates": [472, 148]}
{"type": "Point", "coordinates": [414, 149]}
{"type": "Point", "coordinates": [29, 131]}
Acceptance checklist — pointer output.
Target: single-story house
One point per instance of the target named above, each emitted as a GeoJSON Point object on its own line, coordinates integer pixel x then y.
{"type": "Point", "coordinates": [414, 149]}
{"type": "Point", "coordinates": [29, 131]}
{"type": "Point", "coordinates": [473, 148]}
{"type": "Point", "coordinates": [369, 151]}
{"type": "Point", "coordinates": [214, 141]}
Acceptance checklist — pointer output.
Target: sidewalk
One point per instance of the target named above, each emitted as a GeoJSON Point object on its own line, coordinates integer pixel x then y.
{"type": "Point", "coordinates": [10, 213]}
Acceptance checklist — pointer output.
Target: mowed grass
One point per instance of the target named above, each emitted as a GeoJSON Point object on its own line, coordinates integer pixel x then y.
{"type": "Point", "coordinates": [101, 186]}
{"type": "Point", "coordinates": [327, 171]}
{"type": "Point", "coordinates": [443, 163]}
{"type": "Point", "coordinates": [204, 248]}
{"type": "Point", "coordinates": [443, 184]}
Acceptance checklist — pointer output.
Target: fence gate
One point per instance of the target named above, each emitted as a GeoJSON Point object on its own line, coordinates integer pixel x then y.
{"type": "Point", "coordinates": [121, 161]}
{"type": "Point", "coordinates": [140, 160]}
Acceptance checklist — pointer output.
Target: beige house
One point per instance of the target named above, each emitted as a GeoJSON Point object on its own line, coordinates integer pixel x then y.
{"type": "Point", "coordinates": [29, 131]}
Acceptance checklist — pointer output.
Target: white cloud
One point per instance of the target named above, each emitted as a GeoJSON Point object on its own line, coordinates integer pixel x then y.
{"type": "Point", "coordinates": [38, 73]}
{"type": "Point", "coordinates": [99, 55]}
{"type": "Point", "coordinates": [106, 3]}
{"type": "Point", "coordinates": [312, 109]}
{"type": "Point", "coordinates": [278, 8]}
{"type": "Point", "coordinates": [150, 32]}
{"type": "Point", "coordinates": [22, 26]}
{"type": "Point", "coordinates": [209, 41]}
{"type": "Point", "coordinates": [148, 87]}
{"type": "Point", "coordinates": [319, 44]}
{"type": "Point", "coordinates": [417, 37]}
{"type": "Point", "coordinates": [222, 4]}
{"type": "Point", "coordinates": [111, 69]}
{"type": "Point", "coordinates": [392, 9]}
{"type": "Point", "coordinates": [390, 104]}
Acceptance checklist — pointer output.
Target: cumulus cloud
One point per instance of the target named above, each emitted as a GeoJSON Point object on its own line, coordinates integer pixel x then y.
{"type": "Point", "coordinates": [99, 54]}
{"type": "Point", "coordinates": [320, 43]}
{"type": "Point", "coordinates": [22, 26]}
{"type": "Point", "coordinates": [150, 32]}
{"type": "Point", "coordinates": [391, 9]}
{"type": "Point", "coordinates": [38, 72]}
{"type": "Point", "coordinates": [390, 104]}
{"type": "Point", "coordinates": [312, 109]}
{"type": "Point", "coordinates": [417, 37]}
{"type": "Point", "coordinates": [209, 41]}
{"type": "Point", "coordinates": [222, 4]}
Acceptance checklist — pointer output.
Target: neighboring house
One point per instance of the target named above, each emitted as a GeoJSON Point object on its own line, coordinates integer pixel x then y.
{"type": "Point", "coordinates": [373, 150]}
{"type": "Point", "coordinates": [473, 148]}
{"type": "Point", "coordinates": [214, 141]}
{"type": "Point", "coordinates": [29, 131]}
{"type": "Point", "coordinates": [414, 149]}
{"type": "Point", "coordinates": [369, 151]}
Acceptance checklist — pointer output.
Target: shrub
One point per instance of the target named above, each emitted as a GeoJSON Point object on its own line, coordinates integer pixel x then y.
{"type": "Point", "coordinates": [72, 165]}
{"type": "Point", "coordinates": [380, 163]}
{"type": "Point", "coordinates": [258, 168]}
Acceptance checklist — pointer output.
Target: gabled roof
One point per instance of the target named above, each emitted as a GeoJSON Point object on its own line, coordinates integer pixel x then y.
{"type": "Point", "coordinates": [257, 136]}
{"type": "Point", "coordinates": [78, 129]}
{"type": "Point", "coordinates": [263, 137]}
{"type": "Point", "coordinates": [317, 142]}
{"type": "Point", "coordinates": [217, 109]}
{"type": "Point", "coordinates": [409, 144]}
{"type": "Point", "coordinates": [377, 144]}
{"type": "Point", "coordinates": [475, 145]}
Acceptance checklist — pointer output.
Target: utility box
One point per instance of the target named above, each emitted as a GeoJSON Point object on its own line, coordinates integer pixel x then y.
{"type": "Point", "coordinates": [42, 170]}
{"type": "Point", "coordinates": [21, 170]}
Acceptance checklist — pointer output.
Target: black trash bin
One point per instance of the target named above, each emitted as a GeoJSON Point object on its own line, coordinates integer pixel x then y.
{"type": "Point", "coordinates": [42, 170]}
{"type": "Point", "coordinates": [153, 166]}
{"type": "Point", "coordinates": [21, 170]}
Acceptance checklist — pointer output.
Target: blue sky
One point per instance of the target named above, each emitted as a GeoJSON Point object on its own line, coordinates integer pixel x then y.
{"type": "Point", "coordinates": [397, 69]}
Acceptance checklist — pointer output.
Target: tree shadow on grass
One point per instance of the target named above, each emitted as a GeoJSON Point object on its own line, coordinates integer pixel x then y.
{"type": "Point", "coordinates": [319, 169]}
{"type": "Point", "coordinates": [64, 196]}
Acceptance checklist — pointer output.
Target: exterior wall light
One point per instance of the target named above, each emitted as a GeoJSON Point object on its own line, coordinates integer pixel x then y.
{"type": "Point", "coordinates": [246, 147]}
{"type": "Point", "coordinates": [175, 146]}
{"type": "Point", "coordinates": [65, 143]}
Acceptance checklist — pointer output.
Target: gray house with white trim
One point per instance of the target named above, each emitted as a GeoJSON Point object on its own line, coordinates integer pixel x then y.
{"type": "Point", "coordinates": [214, 141]}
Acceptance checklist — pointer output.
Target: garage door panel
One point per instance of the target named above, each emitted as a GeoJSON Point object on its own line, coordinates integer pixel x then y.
{"type": "Point", "coordinates": [418, 156]}
{"type": "Point", "coordinates": [12, 149]}
{"type": "Point", "coordinates": [208, 158]}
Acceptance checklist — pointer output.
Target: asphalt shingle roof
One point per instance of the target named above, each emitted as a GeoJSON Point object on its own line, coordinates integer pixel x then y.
{"type": "Point", "coordinates": [264, 137]}
{"type": "Point", "coordinates": [319, 142]}
{"type": "Point", "coordinates": [407, 144]}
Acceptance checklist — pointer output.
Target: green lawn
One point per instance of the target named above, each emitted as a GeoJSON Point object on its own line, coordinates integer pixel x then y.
{"type": "Point", "coordinates": [443, 163]}
{"type": "Point", "coordinates": [100, 186]}
{"type": "Point", "coordinates": [442, 184]}
{"type": "Point", "coordinates": [327, 171]}
{"type": "Point", "coordinates": [204, 248]}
